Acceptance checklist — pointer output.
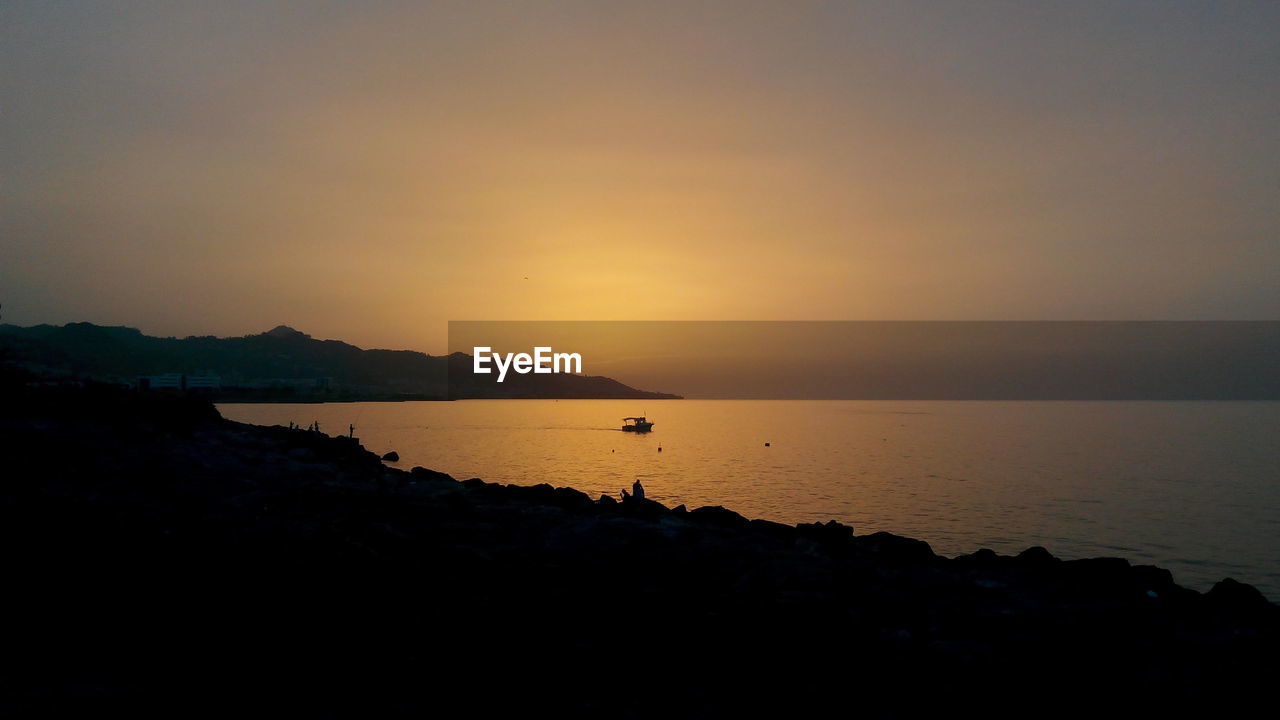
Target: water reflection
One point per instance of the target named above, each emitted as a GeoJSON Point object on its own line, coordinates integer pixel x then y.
{"type": "Point", "coordinates": [1194, 487]}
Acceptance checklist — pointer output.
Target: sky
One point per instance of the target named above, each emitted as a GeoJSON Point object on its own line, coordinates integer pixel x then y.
{"type": "Point", "coordinates": [369, 171]}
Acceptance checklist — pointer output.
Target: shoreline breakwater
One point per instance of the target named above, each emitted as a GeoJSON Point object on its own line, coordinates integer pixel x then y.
{"type": "Point", "coordinates": [162, 556]}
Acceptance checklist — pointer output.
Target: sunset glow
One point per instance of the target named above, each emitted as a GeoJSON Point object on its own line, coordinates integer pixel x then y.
{"type": "Point", "coordinates": [370, 175]}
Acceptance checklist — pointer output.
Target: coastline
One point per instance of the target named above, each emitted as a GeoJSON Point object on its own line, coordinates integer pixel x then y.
{"type": "Point", "coordinates": [150, 529]}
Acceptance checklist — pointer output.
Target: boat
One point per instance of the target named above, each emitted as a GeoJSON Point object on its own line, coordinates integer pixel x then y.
{"type": "Point", "coordinates": [636, 424]}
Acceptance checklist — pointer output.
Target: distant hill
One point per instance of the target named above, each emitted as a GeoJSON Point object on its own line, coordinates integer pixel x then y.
{"type": "Point", "coordinates": [282, 364]}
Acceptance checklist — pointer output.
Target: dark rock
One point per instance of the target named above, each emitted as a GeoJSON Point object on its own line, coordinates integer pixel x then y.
{"type": "Point", "coordinates": [717, 515]}
{"type": "Point", "coordinates": [643, 508]}
{"type": "Point", "coordinates": [775, 529]}
{"type": "Point", "coordinates": [392, 456]}
{"type": "Point", "coordinates": [828, 532]}
{"type": "Point", "coordinates": [1103, 570]}
{"type": "Point", "coordinates": [1036, 556]}
{"type": "Point", "coordinates": [1232, 593]}
{"type": "Point", "coordinates": [422, 474]}
{"type": "Point", "coordinates": [570, 498]}
{"type": "Point", "coordinates": [897, 548]}
{"type": "Point", "coordinates": [606, 500]}
{"type": "Point", "coordinates": [982, 558]}
{"type": "Point", "coordinates": [545, 494]}
{"type": "Point", "coordinates": [1152, 578]}
{"type": "Point", "coordinates": [541, 493]}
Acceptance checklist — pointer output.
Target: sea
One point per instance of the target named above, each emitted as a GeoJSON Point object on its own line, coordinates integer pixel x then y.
{"type": "Point", "coordinates": [1193, 487]}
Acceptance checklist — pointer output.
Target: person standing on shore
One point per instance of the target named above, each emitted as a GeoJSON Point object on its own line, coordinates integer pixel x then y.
{"type": "Point", "coordinates": [637, 490]}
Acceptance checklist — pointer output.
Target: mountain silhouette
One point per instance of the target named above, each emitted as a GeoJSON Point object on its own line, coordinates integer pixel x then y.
{"type": "Point", "coordinates": [281, 359]}
{"type": "Point", "coordinates": [284, 331]}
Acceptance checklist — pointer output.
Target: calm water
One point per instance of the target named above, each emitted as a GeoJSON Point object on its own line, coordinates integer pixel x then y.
{"type": "Point", "coordinates": [1193, 487]}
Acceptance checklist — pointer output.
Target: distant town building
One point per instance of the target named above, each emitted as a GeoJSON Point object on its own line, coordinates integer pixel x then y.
{"type": "Point", "coordinates": [202, 383]}
{"type": "Point", "coordinates": [167, 381]}
{"type": "Point", "coordinates": [180, 382]}
{"type": "Point", "coordinates": [307, 384]}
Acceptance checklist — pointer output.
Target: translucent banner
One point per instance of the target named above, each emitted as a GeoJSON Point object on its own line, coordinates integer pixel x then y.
{"type": "Point", "coordinates": [867, 360]}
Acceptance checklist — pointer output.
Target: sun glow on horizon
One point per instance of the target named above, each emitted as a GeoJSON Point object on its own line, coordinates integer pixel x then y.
{"type": "Point", "coordinates": [898, 161]}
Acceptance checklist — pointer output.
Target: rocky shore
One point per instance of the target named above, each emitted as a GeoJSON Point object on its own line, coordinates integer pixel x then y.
{"type": "Point", "coordinates": [164, 561]}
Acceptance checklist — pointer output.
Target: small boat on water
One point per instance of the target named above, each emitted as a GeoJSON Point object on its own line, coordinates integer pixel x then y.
{"type": "Point", "coordinates": [636, 424]}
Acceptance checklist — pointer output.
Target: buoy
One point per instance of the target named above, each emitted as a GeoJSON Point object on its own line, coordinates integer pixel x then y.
{"type": "Point", "coordinates": [659, 448]}
{"type": "Point", "coordinates": [766, 444]}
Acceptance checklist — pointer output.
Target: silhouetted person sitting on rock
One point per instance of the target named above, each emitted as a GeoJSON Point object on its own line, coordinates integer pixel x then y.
{"type": "Point", "coordinates": [637, 490]}
{"type": "Point", "coordinates": [625, 495]}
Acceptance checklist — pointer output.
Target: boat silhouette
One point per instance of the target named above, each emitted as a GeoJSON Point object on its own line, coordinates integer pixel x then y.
{"type": "Point", "coordinates": [636, 424]}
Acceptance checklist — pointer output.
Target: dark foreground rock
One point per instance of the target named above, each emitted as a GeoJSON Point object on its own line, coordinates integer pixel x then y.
{"type": "Point", "coordinates": [162, 561]}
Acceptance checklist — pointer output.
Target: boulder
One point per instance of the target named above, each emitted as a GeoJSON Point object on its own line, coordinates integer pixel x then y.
{"type": "Point", "coordinates": [1036, 556]}
{"type": "Point", "coordinates": [896, 547]}
{"type": "Point", "coordinates": [570, 498]}
{"type": "Point", "coordinates": [1153, 579]}
{"type": "Point", "coordinates": [541, 493]}
{"type": "Point", "coordinates": [643, 508]}
{"type": "Point", "coordinates": [717, 515]}
{"type": "Point", "coordinates": [981, 558]}
{"type": "Point", "coordinates": [1097, 572]}
{"type": "Point", "coordinates": [392, 456]}
{"type": "Point", "coordinates": [828, 532]}
{"type": "Point", "coordinates": [1234, 594]}
{"type": "Point", "coordinates": [775, 529]}
{"type": "Point", "coordinates": [422, 474]}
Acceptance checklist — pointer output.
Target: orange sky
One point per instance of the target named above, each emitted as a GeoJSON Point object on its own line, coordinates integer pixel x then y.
{"type": "Point", "coordinates": [369, 171]}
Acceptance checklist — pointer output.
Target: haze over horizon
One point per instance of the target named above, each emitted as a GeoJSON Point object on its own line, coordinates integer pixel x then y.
{"type": "Point", "coordinates": [369, 172]}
